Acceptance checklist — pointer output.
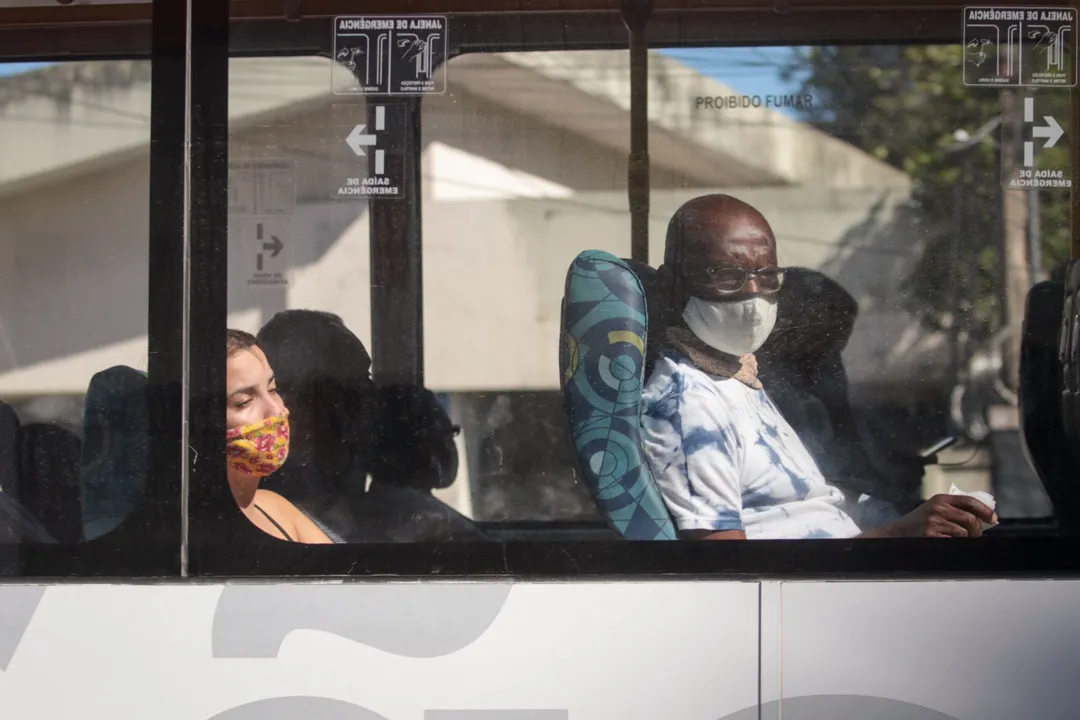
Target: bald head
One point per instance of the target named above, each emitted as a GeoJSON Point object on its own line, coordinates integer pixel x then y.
{"type": "Point", "coordinates": [718, 227]}
{"type": "Point", "coordinates": [716, 231]}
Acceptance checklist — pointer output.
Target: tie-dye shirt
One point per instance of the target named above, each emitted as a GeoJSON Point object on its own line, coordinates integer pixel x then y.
{"type": "Point", "coordinates": [725, 459]}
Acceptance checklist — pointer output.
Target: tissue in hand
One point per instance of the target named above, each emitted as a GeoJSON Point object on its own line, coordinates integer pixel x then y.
{"type": "Point", "coordinates": [985, 498]}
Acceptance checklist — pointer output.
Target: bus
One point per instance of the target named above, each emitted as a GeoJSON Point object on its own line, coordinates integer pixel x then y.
{"type": "Point", "coordinates": [445, 236]}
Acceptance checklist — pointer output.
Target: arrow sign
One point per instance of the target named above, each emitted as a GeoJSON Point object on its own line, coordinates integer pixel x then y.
{"type": "Point", "coordinates": [1051, 131]}
{"type": "Point", "coordinates": [358, 139]}
{"type": "Point", "coordinates": [275, 245]}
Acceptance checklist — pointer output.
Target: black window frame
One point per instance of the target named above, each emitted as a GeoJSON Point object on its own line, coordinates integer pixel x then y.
{"type": "Point", "coordinates": [251, 554]}
{"type": "Point", "coordinates": [188, 312]}
{"type": "Point", "coordinates": [148, 544]}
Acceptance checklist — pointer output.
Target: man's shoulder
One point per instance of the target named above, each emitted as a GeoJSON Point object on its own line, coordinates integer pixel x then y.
{"type": "Point", "coordinates": [674, 373]}
{"type": "Point", "coordinates": [675, 383]}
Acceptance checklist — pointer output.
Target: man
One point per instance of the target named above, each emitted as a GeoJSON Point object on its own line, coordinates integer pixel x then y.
{"type": "Point", "coordinates": [727, 463]}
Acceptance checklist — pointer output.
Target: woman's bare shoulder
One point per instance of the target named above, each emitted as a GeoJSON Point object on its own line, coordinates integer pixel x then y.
{"type": "Point", "coordinates": [304, 529]}
{"type": "Point", "coordinates": [270, 500]}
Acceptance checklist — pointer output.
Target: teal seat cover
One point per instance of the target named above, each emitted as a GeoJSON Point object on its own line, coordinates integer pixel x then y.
{"type": "Point", "coordinates": [602, 363]}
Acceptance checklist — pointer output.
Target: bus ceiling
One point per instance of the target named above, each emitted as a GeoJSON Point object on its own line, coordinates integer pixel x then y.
{"type": "Point", "coordinates": [62, 12]}
{"type": "Point", "coordinates": [40, 29]}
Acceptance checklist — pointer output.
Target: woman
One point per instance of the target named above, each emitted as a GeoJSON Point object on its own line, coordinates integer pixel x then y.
{"type": "Point", "coordinates": [258, 441]}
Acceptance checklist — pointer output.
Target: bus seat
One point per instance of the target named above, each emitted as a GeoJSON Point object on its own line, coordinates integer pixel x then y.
{"type": "Point", "coordinates": [413, 440]}
{"type": "Point", "coordinates": [1040, 396]}
{"type": "Point", "coordinates": [115, 454]}
{"type": "Point", "coordinates": [413, 453]}
{"type": "Point", "coordinates": [602, 355]}
{"type": "Point", "coordinates": [9, 449]}
{"type": "Point", "coordinates": [801, 367]}
{"type": "Point", "coordinates": [49, 479]}
{"type": "Point", "coordinates": [323, 374]}
{"type": "Point", "coordinates": [1069, 357]}
{"type": "Point", "coordinates": [17, 525]}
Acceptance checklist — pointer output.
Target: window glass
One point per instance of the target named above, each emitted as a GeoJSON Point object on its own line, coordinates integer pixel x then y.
{"type": "Point", "coordinates": [299, 286]}
{"type": "Point", "coordinates": [523, 169]}
{"type": "Point", "coordinates": [865, 381]}
{"type": "Point", "coordinates": [881, 176]}
{"type": "Point", "coordinates": [74, 179]}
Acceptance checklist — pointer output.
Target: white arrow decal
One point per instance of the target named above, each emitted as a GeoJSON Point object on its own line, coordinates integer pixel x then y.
{"type": "Point", "coordinates": [1051, 131]}
{"type": "Point", "coordinates": [357, 139]}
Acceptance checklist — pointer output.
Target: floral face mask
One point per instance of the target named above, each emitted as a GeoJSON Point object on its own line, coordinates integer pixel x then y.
{"type": "Point", "coordinates": [259, 449]}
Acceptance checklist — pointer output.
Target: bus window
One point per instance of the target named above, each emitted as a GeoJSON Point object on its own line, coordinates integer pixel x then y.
{"type": "Point", "coordinates": [889, 356]}
{"type": "Point", "coordinates": [390, 460]}
{"type": "Point", "coordinates": [299, 286]}
{"type": "Point", "coordinates": [858, 376]}
{"type": "Point", "coordinates": [74, 178]}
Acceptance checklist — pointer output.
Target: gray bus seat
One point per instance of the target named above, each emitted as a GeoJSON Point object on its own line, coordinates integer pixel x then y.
{"type": "Point", "coordinates": [1040, 396]}
{"type": "Point", "coordinates": [801, 366]}
{"type": "Point", "coordinates": [9, 449]}
{"type": "Point", "coordinates": [18, 526]}
{"type": "Point", "coordinates": [1069, 358]}
{"type": "Point", "coordinates": [116, 448]}
{"type": "Point", "coordinates": [49, 479]}
{"type": "Point", "coordinates": [344, 428]}
{"type": "Point", "coordinates": [413, 453]}
{"type": "Point", "coordinates": [323, 374]}
{"type": "Point", "coordinates": [413, 439]}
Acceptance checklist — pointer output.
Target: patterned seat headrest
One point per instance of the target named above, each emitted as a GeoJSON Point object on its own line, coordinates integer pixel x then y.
{"type": "Point", "coordinates": [602, 373]}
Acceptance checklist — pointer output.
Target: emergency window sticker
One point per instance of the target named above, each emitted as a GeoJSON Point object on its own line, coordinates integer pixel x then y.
{"type": "Point", "coordinates": [389, 55]}
{"type": "Point", "coordinates": [1038, 168]}
{"type": "Point", "coordinates": [370, 136]}
{"type": "Point", "coordinates": [1020, 47]}
{"type": "Point", "coordinates": [262, 199]}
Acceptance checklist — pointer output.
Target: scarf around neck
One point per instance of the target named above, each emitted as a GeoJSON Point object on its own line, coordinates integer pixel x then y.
{"type": "Point", "coordinates": [710, 360]}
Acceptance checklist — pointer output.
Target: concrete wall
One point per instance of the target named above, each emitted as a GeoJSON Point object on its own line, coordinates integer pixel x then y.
{"type": "Point", "coordinates": [508, 201]}
{"type": "Point", "coordinates": [490, 266]}
{"type": "Point", "coordinates": [74, 295]}
{"type": "Point", "coordinates": [73, 280]}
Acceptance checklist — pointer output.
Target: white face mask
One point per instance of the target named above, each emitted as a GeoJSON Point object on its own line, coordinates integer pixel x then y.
{"type": "Point", "coordinates": [736, 328]}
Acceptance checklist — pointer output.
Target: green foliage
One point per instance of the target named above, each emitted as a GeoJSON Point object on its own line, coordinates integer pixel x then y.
{"type": "Point", "coordinates": [904, 105]}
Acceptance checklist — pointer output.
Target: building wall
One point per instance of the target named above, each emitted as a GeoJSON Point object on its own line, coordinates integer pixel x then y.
{"type": "Point", "coordinates": [74, 290]}
{"type": "Point", "coordinates": [73, 258]}
{"type": "Point", "coordinates": [509, 200]}
{"type": "Point", "coordinates": [73, 280]}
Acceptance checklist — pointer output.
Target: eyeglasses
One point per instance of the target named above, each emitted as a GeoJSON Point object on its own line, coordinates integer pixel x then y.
{"type": "Point", "coordinates": [729, 280]}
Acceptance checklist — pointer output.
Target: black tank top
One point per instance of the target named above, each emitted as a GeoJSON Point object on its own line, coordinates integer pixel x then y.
{"type": "Point", "coordinates": [275, 522]}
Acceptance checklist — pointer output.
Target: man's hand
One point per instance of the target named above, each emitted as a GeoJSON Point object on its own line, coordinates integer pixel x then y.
{"type": "Point", "coordinates": [940, 516]}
